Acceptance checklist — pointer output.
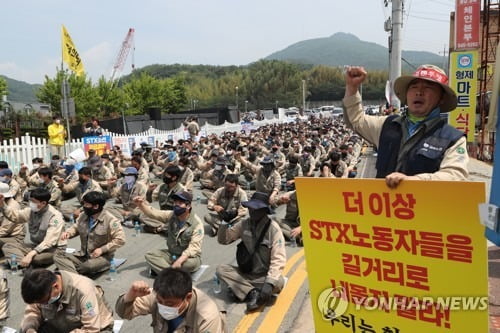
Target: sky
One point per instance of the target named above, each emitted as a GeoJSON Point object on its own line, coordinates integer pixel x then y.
{"type": "Point", "coordinates": [213, 32]}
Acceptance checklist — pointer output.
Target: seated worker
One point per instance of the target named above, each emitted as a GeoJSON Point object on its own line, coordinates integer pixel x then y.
{"type": "Point", "coordinates": [48, 183]}
{"type": "Point", "coordinates": [214, 178]}
{"type": "Point", "coordinates": [124, 208]}
{"type": "Point", "coordinates": [82, 186]}
{"type": "Point", "coordinates": [14, 187]}
{"type": "Point", "coordinates": [260, 234]}
{"type": "Point", "coordinates": [173, 303]}
{"type": "Point", "coordinates": [184, 235]}
{"type": "Point", "coordinates": [187, 176]}
{"type": "Point", "coordinates": [100, 173]}
{"type": "Point", "coordinates": [100, 235]}
{"type": "Point", "coordinates": [335, 168]}
{"type": "Point", "coordinates": [267, 178]}
{"type": "Point", "coordinates": [61, 302]}
{"type": "Point", "coordinates": [10, 232]}
{"type": "Point", "coordinates": [163, 194]}
{"type": "Point", "coordinates": [225, 204]}
{"type": "Point", "coordinates": [290, 224]}
{"type": "Point", "coordinates": [45, 225]}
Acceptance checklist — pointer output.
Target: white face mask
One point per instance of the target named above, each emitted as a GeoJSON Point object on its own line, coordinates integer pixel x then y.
{"type": "Point", "coordinates": [168, 312]}
{"type": "Point", "coordinates": [129, 180]}
{"type": "Point", "coordinates": [3, 179]}
{"type": "Point", "coordinates": [36, 166]}
{"type": "Point", "coordinates": [34, 207]}
{"type": "Point", "coordinates": [58, 121]}
{"type": "Point", "coordinates": [218, 167]}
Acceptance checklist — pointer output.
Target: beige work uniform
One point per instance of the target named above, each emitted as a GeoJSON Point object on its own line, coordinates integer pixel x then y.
{"type": "Point", "coordinates": [163, 194]}
{"type": "Point", "coordinates": [105, 233]}
{"type": "Point", "coordinates": [267, 184]}
{"type": "Point", "coordinates": [101, 176]}
{"type": "Point", "coordinates": [268, 263]}
{"type": "Point", "coordinates": [202, 314]}
{"type": "Point", "coordinates": [4, 296]}
{"type": "Point", "coordinates": [229, 203]}
{"type": "Point", "coordinates": [11, 232]}
{"type": "Point", "coordinates": [82, 308]}
{"type": "Point", "coordinates": [455, 159]}
{"type": "Point", "coordinates": [182, 239]}
{"type": "Point", "coordinates": [15, 188]}
{"type": "Point", "coordinates": [291, 219]}
{"type": "Point", "coordinates": [55, 193]}
{"type": "Point", "coordinates": [45, 228]}
{"type": "Point", "coordinates": [187, 179]}
{"type": "Point", "coordinates": [124, 199]}
{"type": "Point", "coordinates": [69, 206]}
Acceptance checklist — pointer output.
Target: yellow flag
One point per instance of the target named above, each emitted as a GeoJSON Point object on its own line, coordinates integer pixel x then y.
{"type": "Point", "coordinates": [70, 54]}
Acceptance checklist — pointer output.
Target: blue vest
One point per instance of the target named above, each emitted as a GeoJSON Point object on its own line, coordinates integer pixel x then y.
{"type": "Point", "coordinates": [424, 156]}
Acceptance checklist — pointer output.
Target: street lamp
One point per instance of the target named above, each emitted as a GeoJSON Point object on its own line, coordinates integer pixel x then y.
{"type": "Point", "coordinates": [246, 103]}
{"type": "Point", "coordinates": [276, 105]}
{"type": "Point", "coordinates": [194, 104]}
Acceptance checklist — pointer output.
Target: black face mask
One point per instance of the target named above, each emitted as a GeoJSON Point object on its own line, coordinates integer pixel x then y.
{"type": "Point", "coordinates": [167, 180]}
{"type": "Point", "coordinates": [292, 165]}
{"type": "Point", "coordinates": [268, 168]}
{"type": "Point", "coordinates": [89, 211]}
{"type": "Point", "coordinates": [82, 181]}
{"type": "Point", "coordinates": [275, 149]}
{"type": "Point", "coordinates": [257, 214]}
{"type": "Point", "coordinates": [344, 154]}
{"type": "Point", "coordinates": [252, 157]}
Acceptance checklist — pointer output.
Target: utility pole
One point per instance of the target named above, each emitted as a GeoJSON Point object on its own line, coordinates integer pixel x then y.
{"type": "Point", "coordinates": [445, 63]}
{"type": "Point", "coordinates": [395, 47]}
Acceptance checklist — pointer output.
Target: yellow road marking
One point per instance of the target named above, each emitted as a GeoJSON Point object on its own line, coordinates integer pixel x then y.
{"type": "Point", "coordinates": [277, 312]}
{"type": "Point", "coordinates": [247, 321]}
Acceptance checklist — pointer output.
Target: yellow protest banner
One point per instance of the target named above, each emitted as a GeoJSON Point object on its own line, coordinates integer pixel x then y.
{"type": "Point", "coordinates": [70, 54]}
{"type": "Point", "coordinates": [411, 259]}
{"type": "Point", "coordinates": [464, 81]}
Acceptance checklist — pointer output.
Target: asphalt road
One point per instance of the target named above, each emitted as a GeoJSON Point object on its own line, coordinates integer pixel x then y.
{"type": "Point", "coordinates": [135, 268]}
{"type": "Point", "coordinates": [290, 313]}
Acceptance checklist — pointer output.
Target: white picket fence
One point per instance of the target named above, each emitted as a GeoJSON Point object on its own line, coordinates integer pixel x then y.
{"type": "Point", "coordinates": [22, 150]}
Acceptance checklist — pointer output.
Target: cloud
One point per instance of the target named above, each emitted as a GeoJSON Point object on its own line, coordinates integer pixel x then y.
{"type": "Point", "coordinates": [98, 60]}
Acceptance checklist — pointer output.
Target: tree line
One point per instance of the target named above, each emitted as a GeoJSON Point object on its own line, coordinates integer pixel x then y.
{"type": "Point", "coordinates": [174, 88]}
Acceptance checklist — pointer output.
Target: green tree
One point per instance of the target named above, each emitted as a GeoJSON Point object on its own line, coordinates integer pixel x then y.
{"type": "Point", "coordinates": [3, 87]}
{"type": "Point", "coordinates": [145, 91]}
{"type": "Point", "coordinates": [110, 98]}
{"type": "Point", "coordinates": [81, 90]}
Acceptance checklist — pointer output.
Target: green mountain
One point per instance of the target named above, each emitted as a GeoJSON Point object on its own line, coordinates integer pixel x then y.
{"type": "Point", "coordinates": [346, 49]}
{"type": "Point", "coordinates": [20, 91]}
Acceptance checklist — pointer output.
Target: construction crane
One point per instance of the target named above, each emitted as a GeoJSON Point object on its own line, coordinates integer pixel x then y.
{"type": "Point", "coordinates": [127, 45]}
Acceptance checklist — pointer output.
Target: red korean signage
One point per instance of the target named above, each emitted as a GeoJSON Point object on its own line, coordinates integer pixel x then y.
{"type": "Point", "coordinates": [467, 21]}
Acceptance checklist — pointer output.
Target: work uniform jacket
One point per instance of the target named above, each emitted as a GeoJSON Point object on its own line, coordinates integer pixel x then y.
{"type": "Point", "coordinates": [453, 165]}
{"type": "Point", "coordinates": [9, 228]}
{"type": "Point", "coordinates": [102, 175]}
{"type": "Point", "coordinates": [126, 196]}
{"type": "Point", "coordinates": [202, 314]}
{"type": "Point", "coordinates": [163, 194]}
{"type": "Point", "coordinates": [45, 226]}
{"type": "Point", "coordinates": [55, 193]}
{"type": "Point", "coordinates": [81, 189]}
{"type": "Point", "coordinates": [187, 179]}
{"type": "Point", "coordinates": [105, 233]}
{"type": "Point", "coordinates": [229, 202]}
{"type": "Point", "coordinates": [185, 239]}
{"type": "Point", "coordinates": [267, 184]}
{"type": "Point", "coordinates": [270, 258]}
{"type": "Point", "coordinates": [82, 308]}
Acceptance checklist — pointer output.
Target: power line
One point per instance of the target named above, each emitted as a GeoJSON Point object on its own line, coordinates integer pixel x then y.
{"type": "Point", "coordinates": [429, 19]}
